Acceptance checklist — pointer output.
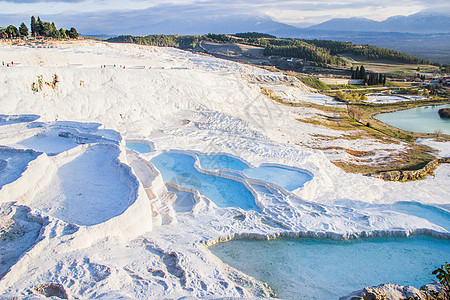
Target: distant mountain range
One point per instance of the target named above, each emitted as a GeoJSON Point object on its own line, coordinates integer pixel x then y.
{"type": "Point", "coordinates": [422, 23]}
{"type": "Point", "coordinates": [231, 24]}
{"type": "Point", "coordinates": [426, 35]}
{"type": "Point", "coordinates": [416, 23]}
{"type": "Point", "coordinates": [410, 34]}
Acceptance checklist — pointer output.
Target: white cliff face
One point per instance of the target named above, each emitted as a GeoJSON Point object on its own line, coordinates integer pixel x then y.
{"type": "Point", "coordinates": [79, 209]}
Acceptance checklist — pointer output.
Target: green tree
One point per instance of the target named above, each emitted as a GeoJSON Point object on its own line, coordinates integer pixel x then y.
{"type": "Point", "coordinates": [56, 34]}
{"type": "Point", "coordinates": [23, 30]}
{"type": "Point", "coordinates": [39, 27]}
{"type": "Point", "coordinates": [73, 34]}
{"type": "Point", "coordinates": [33, 26]}
{"type": "Point", "coordinates": [357, 73]}
{"type": "Point", "coordinates": [12, 32]}
{"type": "Point", "coordinates": [62, 33]}
{"type": "Point", "coordinates": [362, 73]}
{"type": "Point", "coordinates": [46, 29]}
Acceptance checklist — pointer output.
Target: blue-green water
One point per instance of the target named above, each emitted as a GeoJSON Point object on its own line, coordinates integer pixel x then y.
{"type": "Point", "coordinates": [305, 268]}
{"type": "Point", "coordinates": [139, 147]}
{"type": "Point", "coordinates": [285, 177]}
{"type": "Point", "coordinates": [179, 168]}
{"type": "Point", "coordinates": [433, 214]}
{"type": "Point", "coordinates": [420, 119]}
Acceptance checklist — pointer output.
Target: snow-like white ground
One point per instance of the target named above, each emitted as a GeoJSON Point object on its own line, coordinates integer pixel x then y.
{"type": "Point", "coordinates": [443, 149]}
{"type": "Point", "coordinates": [392, 98]}
{"type": "Point", "coordinates": [99, 218]}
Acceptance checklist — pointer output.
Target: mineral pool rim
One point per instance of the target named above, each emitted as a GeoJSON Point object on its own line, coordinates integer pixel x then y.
{"type": "Point", "coordinates": [290, 178]}
{"type": "Point", "coordinates": [179, 167]}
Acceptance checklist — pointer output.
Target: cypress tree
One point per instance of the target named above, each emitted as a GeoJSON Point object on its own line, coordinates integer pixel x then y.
{"type": "Point", "coordinates": [39, 27]}
{"type": "Point", "coordinates": [357, 73]}
{"type": "Point", "coordinates": [53, 31]}
{"type": "Point", "coordinates": [62, 33]}
{"type": "Point", "coordinates": [362, 73]}
{"type": "Point", "coordinates": [23, 30]}
{"type": "Point", "coordinates": [46, 30]}
{"type": "Point", "coordinates": [33, 26]}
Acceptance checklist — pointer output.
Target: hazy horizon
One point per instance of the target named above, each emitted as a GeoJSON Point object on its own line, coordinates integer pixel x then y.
{"type": "Point", "coordinates": [112, 14]}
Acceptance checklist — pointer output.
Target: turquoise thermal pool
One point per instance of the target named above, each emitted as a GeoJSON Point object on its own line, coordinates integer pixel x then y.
{"type": "Point", "coordinates": [290, 179]}
{"type": "Point", "coordinates": [179, 168]}
{"type": "Point", "coordinates": [420, 119]}
{"type": "Point", "coordinates": [433, 214]}
{"type": "Point", "coordinates": [306, 268]}
{"type": "Point", "coordinates": [139, 147]}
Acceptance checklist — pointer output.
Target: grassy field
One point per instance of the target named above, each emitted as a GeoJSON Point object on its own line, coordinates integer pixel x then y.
{"type": "Point", "coordinates": [390, 68]}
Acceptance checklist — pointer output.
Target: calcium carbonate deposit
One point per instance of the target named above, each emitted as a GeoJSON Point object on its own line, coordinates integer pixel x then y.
{"type": "Point", "coordinates": [86, 213]}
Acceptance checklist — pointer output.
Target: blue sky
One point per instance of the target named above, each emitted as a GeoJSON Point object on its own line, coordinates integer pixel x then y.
{"type": "Point", "coordinates": [294, 12]}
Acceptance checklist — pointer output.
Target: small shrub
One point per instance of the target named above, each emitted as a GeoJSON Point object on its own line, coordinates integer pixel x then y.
{"type": "Point", "coordinates": [443, 275]}
{"type": "Point", "coordinates": [37, 86]}
{"type": "Point", "coordinates": [355, 112]}
{"type": "Point", "coordinates": [55, 81]}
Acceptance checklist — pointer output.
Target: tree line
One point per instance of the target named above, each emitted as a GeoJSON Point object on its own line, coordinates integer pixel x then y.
{"type": "Point", "coordinates": [39, 28]}
{"type": "Point", "coordinates": [367, 51]}
{"type": "Point", "coordinates": [281, 47]}
{"type": "Point", "coordinates": [317, 52]}
{"type": "Point", "coordinates": [254, 35]}
{"type": "Point", "coordinates": [160, 40]}
{"type": "Point", "coordinates": [304, 51]}
{"type": "Point", "coordinates": [369, 78]}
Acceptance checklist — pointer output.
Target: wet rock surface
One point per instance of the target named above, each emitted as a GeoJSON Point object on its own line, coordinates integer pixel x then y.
{"type": "Point", "coordinates": [444, 113]}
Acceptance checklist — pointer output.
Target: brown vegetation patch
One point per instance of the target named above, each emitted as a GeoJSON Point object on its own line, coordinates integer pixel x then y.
{"type": "Point", "coordinates": [355, 153]}
{"type": "Point", "coordinates": [360, 124]}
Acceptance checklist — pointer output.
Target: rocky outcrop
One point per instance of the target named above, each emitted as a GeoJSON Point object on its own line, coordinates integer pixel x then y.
{"type": "Point", "coordinates": [51, 290]}
{"type": "Point", "coordinates": [405, 175]}
{"type": "Point", "coordinates": [390, 291]}
{"type": "Point", "coordinates": [444, 113]}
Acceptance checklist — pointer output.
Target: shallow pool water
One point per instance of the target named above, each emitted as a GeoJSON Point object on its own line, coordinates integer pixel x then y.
{"type": "Point", "coordinates": [179, 168]}
{"type": "Point", "coordinates": [420, 119]}
{"type": "Point", "coordinates": [13, 163]}
{"type": "Point", "coordinates": [285, 177]}
{"type": "Point", "coordinates": [433, 214]}
{"type": "Point", "coordinates": [13, 119]}
{"type": "Point", "coordinates": [185, 200]}
{"type": "Point", "coordinates": [305, 268]}
{"type": "Point", "coordinates": [139, 147]}
{"type": "Point", "coordinates": [48, 144]}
